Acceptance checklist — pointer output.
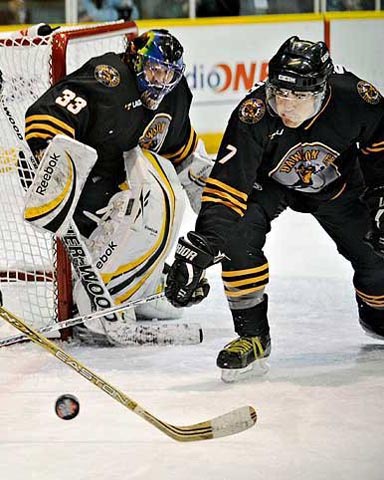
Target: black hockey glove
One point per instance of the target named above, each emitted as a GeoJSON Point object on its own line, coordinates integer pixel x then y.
{"type": "Point", "coordinates": [186, 284]}
{"type": "Point", "coordinates": [374, 198]}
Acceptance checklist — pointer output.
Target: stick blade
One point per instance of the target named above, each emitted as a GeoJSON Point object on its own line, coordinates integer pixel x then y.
{"type": "Point", "coordinates": [230, 423]}
{"type": "Point", "coordinates": [233, 422]}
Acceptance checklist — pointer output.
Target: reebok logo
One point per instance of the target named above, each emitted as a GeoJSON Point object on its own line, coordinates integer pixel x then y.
{"type": "Point", "coordinates": [47, 173]}
{"type": "Point", "coordinates": [106, 254]}
{"type": "Point", "coordinates": [186, 252]}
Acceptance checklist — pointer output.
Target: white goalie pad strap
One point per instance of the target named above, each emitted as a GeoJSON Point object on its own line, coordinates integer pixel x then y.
{"type": "Point", "coordinates": [137, 231]}
{"type": "Point", "coordinates": [193, 172]}
{"type": "Point", "coordinates": [56, 188]}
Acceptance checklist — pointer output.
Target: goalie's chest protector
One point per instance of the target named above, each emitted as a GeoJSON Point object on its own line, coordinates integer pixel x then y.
{"type": "Point", "coordinates": [118, 121]}
{"type": "Point", "coordinates": [117, 117]}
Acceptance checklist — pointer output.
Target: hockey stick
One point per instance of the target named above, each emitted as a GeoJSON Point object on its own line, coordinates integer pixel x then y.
{"type": "Point", "coordinates": [72, 322]}
{"type": "Point", "coordinates": [230, 423]}
{"type": "Point", "coordinates": [161, 333]}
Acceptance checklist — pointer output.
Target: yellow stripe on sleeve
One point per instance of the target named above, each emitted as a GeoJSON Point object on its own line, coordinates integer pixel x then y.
{"type": "Point", "coordinates": [224, 186]}
{"type": "Point", "coordinates": [184, 150]}
{"type": "Point", "coordinates": [227, 196]}
{"type": "Point", "coordinates": [223, 202]}
{"type": "Point", "coordinates": [48, 118]}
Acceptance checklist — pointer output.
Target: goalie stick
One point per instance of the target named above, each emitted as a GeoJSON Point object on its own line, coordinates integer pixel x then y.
{"type": "Point", "coordinates": [230, 423]}
{"type": "Point", "coordinates": [144, 333]}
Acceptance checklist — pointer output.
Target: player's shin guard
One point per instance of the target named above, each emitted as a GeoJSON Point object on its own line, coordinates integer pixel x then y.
{"type": "Point", "coordinates": [253, 343]}
{"type": "Point", "coordinates": [371, 319]}
{"type": "Point", "coordinates": [252, 321]}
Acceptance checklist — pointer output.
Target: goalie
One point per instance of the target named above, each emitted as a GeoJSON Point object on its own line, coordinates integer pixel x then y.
{"type": "Point", "coordinates": [133, 110]}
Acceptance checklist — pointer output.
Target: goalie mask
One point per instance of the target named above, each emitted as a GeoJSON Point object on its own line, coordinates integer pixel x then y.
{"type": "Point", "coordinates": [297, 81]}
{"type": "Point", "coordinates": [157, 59]}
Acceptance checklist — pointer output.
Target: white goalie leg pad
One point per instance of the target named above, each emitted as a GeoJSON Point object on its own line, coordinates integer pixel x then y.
{"type": "Point", "coordinates": [56, 188]}
{"type": "Point", "coordinates": [193, 172]}
{"type": "Point", "coordinates": [137, 231]}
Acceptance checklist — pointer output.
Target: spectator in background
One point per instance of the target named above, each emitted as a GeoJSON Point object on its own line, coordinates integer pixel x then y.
{"type": "Point", "coordinates": [107, 10]}
{"type": "Point", "coordinates": [164, 8]}
{"type": "Point", "coordinates": [293, 6]}
{"type": "Point", "coordinates": [346, 5]}
{"type": "Point", "coordinates": [217, 8]}
{"type": "Point", "coordinates": [15, 13]}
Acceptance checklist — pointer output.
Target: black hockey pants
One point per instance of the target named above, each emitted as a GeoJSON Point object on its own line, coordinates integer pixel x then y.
{"type": "Point", "coordinates": [346, 220]}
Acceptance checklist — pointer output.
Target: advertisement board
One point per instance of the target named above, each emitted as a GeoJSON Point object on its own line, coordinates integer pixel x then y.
{"type": "Point", "coordinates": [223, 62]}
{"type": "Point", "coordinates": [357, 44]}
{"type": "Point", "coordinates": [225, 58]}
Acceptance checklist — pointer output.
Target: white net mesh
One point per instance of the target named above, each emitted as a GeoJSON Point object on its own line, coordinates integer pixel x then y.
{"type": "Point", "coordinates": [28, 268]}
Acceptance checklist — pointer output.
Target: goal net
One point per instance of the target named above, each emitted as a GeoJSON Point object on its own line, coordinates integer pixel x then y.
{"type": "Point", "coordinates": [35, 274]}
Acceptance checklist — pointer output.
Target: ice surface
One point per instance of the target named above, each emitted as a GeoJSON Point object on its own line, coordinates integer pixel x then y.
{"type": "Point", "coordinates": [320, 408]}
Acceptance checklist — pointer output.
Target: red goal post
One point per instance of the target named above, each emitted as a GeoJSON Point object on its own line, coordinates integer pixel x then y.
{"type": "Point", "coordinates": [35, 273]}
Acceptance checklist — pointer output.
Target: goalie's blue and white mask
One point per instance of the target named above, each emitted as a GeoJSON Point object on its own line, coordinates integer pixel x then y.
{"type": "Point", "coordinates": [157, 59]}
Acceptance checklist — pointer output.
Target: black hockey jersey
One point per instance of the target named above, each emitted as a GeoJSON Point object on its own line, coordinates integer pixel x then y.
{"type": "Point", "coordinates": [99, 105]}
{"type": "Point", "coordinates": [313, 162]}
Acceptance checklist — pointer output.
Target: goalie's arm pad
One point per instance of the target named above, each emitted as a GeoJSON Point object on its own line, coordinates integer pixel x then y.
{"type": "Point", "coordinates": [193, 172]}
{"type": "Point", "coordinates": [55, 191]}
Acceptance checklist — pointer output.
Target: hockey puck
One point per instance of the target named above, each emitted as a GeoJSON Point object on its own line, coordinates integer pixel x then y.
{"type": "Point", "coordinates": [67, 407]}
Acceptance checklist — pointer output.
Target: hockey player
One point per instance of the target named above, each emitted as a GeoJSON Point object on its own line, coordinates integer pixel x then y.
{"type": "Point", "coordinates": [133, 109]}
{"type": "Point", "coordinates": [310, 138]}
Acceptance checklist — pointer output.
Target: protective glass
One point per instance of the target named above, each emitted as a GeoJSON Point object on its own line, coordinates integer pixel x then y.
{"type": "Point", "coordinates": [294, 107]}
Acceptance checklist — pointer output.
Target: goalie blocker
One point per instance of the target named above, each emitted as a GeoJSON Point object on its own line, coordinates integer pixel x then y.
{"type": "Point", "coordinates": [135, 231]}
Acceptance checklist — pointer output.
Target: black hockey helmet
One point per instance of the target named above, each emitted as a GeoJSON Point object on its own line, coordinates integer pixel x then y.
{"type": "Point", "coordinates": [157, 59]}
{"type": "Point", "coordinates": [300, 65]}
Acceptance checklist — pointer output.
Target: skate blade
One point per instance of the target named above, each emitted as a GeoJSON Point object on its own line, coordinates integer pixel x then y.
{"type": "Point", "coordinates": [371, 334]}
{"type": "Point", "coordinates": [255, 369]}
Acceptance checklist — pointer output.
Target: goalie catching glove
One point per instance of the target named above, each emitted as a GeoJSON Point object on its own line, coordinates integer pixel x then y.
{"type": "Point", "coordinates": [186, 284]}
{"type": "Point", "coordinates": [374, 198]}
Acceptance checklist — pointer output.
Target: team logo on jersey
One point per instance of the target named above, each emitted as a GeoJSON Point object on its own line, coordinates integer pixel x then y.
{"type": "Point", "coordinates": [155, 132]}
{"type": "Point", "coordinates": [107, 75]}
{"type": "Point", "coordinates": [307, 167]}
{"type": "Point", "coordinates": [252, 110]}
{"type": "Point", "coordinates": [368, 92]}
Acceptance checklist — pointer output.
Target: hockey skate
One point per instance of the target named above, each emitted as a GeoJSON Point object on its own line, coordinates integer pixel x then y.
{"type": "Point", "coordinates": [371, 319]}
{"type": "Point", "coordinates": [244, 357]}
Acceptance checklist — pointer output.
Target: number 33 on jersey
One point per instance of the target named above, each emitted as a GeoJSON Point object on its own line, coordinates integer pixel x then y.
{"type": "Point", "coordinates": [72, 102]}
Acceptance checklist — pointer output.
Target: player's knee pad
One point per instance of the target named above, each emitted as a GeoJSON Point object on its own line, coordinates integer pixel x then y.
{"type": "Point", "coordinates": [371, 319]}
{"type": "Point", "coordinates": [252, 321]}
